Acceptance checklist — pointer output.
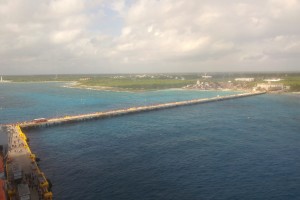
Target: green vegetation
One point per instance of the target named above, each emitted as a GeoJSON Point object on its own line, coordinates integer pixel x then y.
{"type": "Point", "coordinates": [120, 81]}
{"type": "Point", "coordinates": [293, 81]}
{"type": "Point", "coordinates": [42, 78]}
{"type": "Point", "coordinates": [137, 82]}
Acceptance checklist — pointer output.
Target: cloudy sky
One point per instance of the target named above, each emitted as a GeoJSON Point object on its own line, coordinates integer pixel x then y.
{"type": "Point", "coordinates": [124, 36]}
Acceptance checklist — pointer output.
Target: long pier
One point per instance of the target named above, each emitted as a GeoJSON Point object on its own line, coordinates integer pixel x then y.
{"type": "Point", "coordinates": [106, 114]}
{"type": "Point", "coordinates": [24, 178]}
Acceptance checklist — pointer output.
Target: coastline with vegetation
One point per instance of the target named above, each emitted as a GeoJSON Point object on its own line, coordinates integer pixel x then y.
{"type": "Point", "coordinates": [152, 82]}
{"type": "Point", "coordinates": [117, 89]}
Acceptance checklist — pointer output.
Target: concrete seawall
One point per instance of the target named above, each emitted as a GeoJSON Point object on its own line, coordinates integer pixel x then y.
{"type": "Point", "coordinates": [112, 113]}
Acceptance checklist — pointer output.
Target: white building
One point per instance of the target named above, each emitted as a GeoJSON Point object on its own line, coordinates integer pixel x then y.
{"type": "Point", "coordinates": [273, 80]}
{"type": "Point", "coordinates": [244, 79]}
{"type": "Point", "coordinates": [3, 81]}
{"type": "Point", "coordinates": [205, 76]}
{"type": "Point", "coordinates": [270, 87]}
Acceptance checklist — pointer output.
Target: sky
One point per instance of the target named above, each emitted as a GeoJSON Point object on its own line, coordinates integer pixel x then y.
{"type": "Point", "coordinates": [148, 36]}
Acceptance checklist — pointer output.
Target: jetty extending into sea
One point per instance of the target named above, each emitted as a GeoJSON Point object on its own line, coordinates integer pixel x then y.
{"type": "Point", "coordinates": [42, 122]}
{"type": "Point", "coordinates": [24, 178]}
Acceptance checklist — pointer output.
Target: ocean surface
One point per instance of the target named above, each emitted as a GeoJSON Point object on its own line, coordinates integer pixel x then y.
{"type": "Point", "coordinates": [246, 148]}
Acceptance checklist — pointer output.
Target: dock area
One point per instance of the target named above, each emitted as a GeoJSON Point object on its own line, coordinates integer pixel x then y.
{"type": "Point", "coordinates": [24, 178]}
{"type": "Point", "coordinates": [106, 114]}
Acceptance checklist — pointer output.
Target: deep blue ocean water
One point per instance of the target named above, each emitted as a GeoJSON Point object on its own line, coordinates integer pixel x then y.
{"type": "Point", "coordinates": [237, 149]}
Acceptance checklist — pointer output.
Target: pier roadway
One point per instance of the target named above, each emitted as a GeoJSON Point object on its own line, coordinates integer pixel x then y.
{"type": "Point", "coordinates": [106, 114]}
{"type": "Point", "coordinates": [24, 178]}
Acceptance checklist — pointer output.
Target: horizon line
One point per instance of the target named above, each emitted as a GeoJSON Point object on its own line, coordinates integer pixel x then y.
{"type": "Point", "coordinates": [128, 73]}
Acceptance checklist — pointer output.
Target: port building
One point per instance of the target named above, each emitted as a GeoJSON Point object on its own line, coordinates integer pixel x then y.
{"type": "Point", "coordinates": [271, 86]}
{"type": "Point", "coordinates": [206, 76]}
{"type": "Point", "coordinates": [244, 79]}
{"type": "Point", "coordinates": [273, 80]}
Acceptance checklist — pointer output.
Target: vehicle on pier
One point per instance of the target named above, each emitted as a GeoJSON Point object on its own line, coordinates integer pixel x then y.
{"type": "Point", "coordinates": [39, 120]}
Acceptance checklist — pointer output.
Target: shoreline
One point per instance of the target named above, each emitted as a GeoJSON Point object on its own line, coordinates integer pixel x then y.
{"type": "Point", "coordinates": [74, 85]}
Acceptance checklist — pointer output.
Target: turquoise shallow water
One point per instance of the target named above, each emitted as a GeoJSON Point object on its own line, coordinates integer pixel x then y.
{"type": "Point", "coordinates": [20, 102]}
{"type": "Point", "coordinates": [238, 149]}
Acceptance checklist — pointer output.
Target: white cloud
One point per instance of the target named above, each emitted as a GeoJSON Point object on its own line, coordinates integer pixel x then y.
{"type": "Point", "coordinates": [65, 36]}
{"type": "Point", "coordinates": [172, 35]}
{"type": "Point", "coordinates": [66, 7]}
